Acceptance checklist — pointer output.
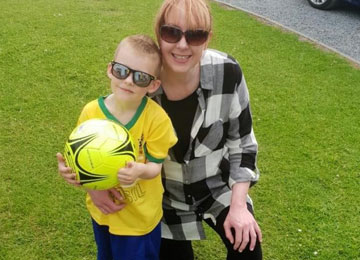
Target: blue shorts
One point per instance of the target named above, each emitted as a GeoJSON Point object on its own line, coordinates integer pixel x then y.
{"type": "Point", "coordinates": [115, 247]}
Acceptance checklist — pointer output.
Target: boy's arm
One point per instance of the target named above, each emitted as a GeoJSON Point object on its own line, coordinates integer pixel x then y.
{"type": "Point", "coordinates": [134, 170]}
{"type": "Point", "coordinates": [66, 172]}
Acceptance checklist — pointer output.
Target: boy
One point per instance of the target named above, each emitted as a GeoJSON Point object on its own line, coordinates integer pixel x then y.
{"type": "Point", "coordinates": [134, 231]}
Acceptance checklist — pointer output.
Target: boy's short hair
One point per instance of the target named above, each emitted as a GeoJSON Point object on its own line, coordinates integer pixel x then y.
{"type": "Point", "coordinates": [198, 14]}
{"type": "Point", "coordinates": [143, 44]}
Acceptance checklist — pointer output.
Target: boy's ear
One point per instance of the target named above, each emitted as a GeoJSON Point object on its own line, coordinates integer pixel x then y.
{"type": "Point", "coordinates": [155, 84]}
{"type": "Point", "coordinates": [108, 71]}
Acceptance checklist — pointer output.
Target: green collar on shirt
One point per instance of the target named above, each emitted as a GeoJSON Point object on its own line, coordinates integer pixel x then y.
{"type": "Point", "coordinates": [110, 116]}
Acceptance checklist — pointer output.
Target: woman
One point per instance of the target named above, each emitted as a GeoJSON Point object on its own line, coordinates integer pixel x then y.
{"type": "Point", "coordinates": [214, 162]}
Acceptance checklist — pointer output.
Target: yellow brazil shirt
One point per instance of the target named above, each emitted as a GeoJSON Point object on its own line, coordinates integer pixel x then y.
{"type": "Point", "coordinates": [153, 135]}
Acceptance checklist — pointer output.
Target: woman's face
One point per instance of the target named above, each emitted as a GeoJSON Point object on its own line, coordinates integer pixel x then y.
{"type": "Point", "coordinates": [180, 57]}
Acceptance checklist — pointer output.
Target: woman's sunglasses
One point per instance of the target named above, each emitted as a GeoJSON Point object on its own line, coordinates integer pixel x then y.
{"type": "Point", "coordinates": [173, 34]}
{"type": "Point", "coordinates": [141, 79]}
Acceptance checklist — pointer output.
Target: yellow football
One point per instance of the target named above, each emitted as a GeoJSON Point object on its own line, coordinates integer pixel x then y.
{"type": "Point", "coordinates": [96, 150]}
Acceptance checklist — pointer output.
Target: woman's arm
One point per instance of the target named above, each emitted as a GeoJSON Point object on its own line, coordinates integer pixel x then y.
{"type": "Point", "coordinates": [240, 225]}
{"type": "Point", "coordinates": [241, 139]}
{"type": "Point", "coordinates": [102, 199]}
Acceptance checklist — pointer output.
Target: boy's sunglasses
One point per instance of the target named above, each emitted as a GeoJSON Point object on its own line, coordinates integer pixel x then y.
{"type": "Point", "coordinates": [173, 34]}
{"type": "Point", "coordinates": [141, 79]}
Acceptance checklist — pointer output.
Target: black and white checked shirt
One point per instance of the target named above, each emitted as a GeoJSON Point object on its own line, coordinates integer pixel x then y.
{"type": "Point", "coordinates": [222, 151]}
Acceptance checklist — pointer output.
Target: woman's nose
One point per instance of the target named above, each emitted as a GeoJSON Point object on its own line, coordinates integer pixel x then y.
{"type": "Point", "coordinates": [182, 43]}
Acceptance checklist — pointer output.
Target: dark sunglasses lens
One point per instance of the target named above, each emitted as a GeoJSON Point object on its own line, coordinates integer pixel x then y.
{"type": "Point", "coordinates": [196, 37]}
{"type": "Point", "coordinates": [120, 71]}
{"type": "Point", "coordinates": [141, 79]}
{"type": "Point", "coordinates": [170, 34]}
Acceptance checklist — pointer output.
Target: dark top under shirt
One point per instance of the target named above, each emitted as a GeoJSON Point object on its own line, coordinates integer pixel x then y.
{"type": "Point", "coordinates": [181, 113]}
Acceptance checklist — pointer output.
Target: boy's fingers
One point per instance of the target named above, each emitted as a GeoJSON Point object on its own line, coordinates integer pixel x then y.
{"type": "Point", "coordinates": [68, 176]}
{"type": "Point", "coordinates": [129, 165]}
{"type": "Point", "coordinates": [72, 179]}
{"type": "Point", "coordinates": [66, 172]}
{"type": "Point", "coordinates": [60, 158]}
{"type": "Point", "coordinates": [61, 164]}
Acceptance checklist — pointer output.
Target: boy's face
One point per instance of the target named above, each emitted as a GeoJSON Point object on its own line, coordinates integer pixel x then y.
{"type": "Point", "coordinates": [126, 89]}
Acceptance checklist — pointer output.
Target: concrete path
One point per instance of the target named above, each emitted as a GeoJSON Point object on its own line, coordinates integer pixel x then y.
{"type": "Point", "coordinates": [337, 30]}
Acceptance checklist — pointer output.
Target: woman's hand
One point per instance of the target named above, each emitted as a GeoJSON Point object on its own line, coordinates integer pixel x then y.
{"type": "Point", "coordinates": [107, 201]}
{"type": "Point", "coordinates": [246, 230]}
{"type": "Point", "coordinates": [66, 172]}
{"type": "Point", "coordinates": [240, 225]}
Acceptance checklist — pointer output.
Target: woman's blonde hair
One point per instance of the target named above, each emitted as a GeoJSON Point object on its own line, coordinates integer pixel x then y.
{"type": "Point", "coordinates": [197, 11]}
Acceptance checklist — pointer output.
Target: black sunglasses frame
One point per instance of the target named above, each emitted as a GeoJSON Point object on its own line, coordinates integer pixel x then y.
{"type": "Point", "coordinates": [189, 35]}
{"type": "Point", "coordinates": [134, 73]}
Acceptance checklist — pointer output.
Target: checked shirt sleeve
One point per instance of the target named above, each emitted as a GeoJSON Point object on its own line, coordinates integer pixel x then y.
{"type": "Point", "coordinates": [241, 140]}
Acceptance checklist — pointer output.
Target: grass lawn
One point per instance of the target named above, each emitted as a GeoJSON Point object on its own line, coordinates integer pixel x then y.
{"type": "Point", "coordinates": [305, 103]}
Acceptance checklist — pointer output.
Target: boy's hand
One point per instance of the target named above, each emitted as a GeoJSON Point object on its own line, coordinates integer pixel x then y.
{"type": "Point", "coordinates": [105, 200]}
{"type": "Point", "coordinates": [130, 173]}
{"type": "Point", "coordinates": [66, 172]}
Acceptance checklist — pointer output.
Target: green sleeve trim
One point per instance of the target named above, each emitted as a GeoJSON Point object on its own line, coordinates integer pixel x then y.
{"type": "Point", "coordinates": [150, 158]}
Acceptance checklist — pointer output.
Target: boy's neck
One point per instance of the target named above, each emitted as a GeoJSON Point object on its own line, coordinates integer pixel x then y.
{"type": "Point", "coordinates": [122, 110]}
